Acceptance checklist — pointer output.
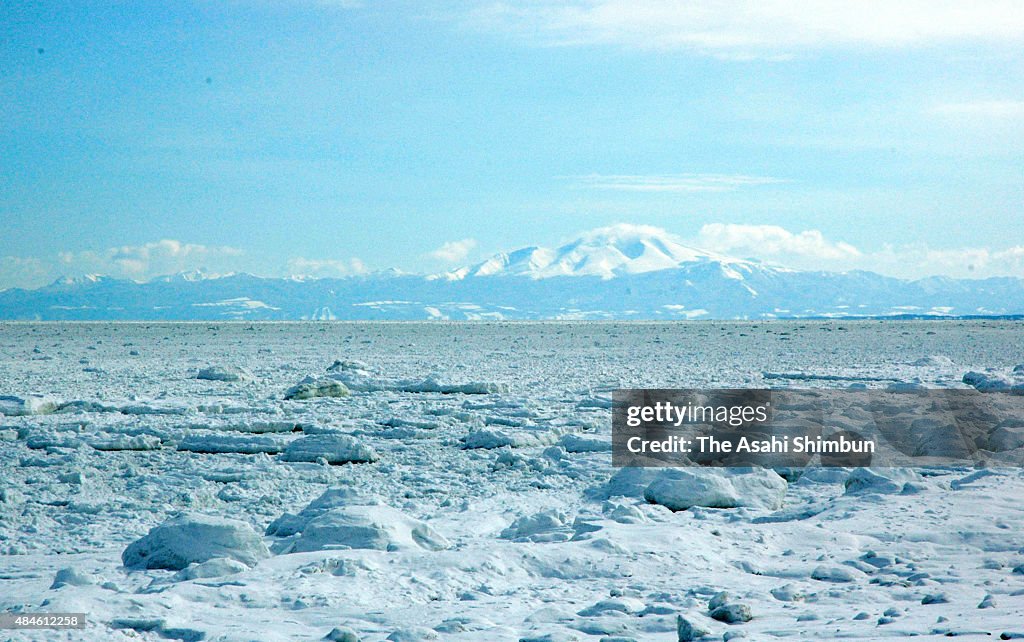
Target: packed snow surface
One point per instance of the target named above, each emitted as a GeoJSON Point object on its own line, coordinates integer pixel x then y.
{"type": "Point", "coordinates": [363, 481]}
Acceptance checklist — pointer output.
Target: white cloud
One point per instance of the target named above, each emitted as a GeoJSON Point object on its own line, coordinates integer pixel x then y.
{"type": "Point", "coordinates": [453, 251]}
{"type": "Point", "coordinates": [811, 250]}
{"type": "Point", "coordinates": [920, 260]}
{"type": "Point", "coordinates": [325, 268]}
{"type": "Point", "coordinates": [770, 241]}
{"type": "Point", "coordinates": [747, 28]}
{"type": "Point", "coordinates": [982, 109]}
{"type": "Point", "coordinates": [138, 262]}
{"type": "Point", "coordinates": [673, 182]}
{"type": "Point", "coordinates": [19, 272]}
{"type": "Point", "coordinates": [143, 262]}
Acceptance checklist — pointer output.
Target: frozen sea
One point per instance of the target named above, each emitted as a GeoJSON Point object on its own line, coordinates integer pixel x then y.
{"type": "Point", "coordinates": [478, 501]}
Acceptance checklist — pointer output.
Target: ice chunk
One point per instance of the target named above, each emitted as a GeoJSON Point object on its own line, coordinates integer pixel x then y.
{"type": "Point", "coordinates": [414, 634]}
{"type": "Point", "coordinates": [679, 489]}
{"type": "Point", "coordinates": [885, 481]}
{"type": "Point", "coordinates": [194, 538]}
{"type": "Point", "coordinates": [489, 438]}
{"type": "Point", "coordinates": [375, 526]}
{"type": "Point", "coordinates": [732, 613]}
{"type": "Point", "coordinates": [614, 606]}
{"type": "Point", "coordinates": [359, 380]}
{"type": "Point", "coordinates": [217, 567]}
{"type": "Point", "coordinates": [342, 634]}
{"type": "Point", "coordinates": [124, 442]}
{"type": "Point", "coordinates": [309, 388]}
{"type": "Point", "coordinates": [934, 361]}
{"type": "Point", "coordinates": [691, 627]}
{"type": "Point", "coordinates": [155, 408]}
{"type": "Point", "coordinates": [836, 574]}
{"type": "Point", "coordinates": [349, 365]}
{"type": "Point", "coordinates": [335, 449]}
{"type": "Point", "coordinates": [338, 496]}
{"type": "Point", "coordinates": [28, 405]}
{"type": "Point", "coordinates": [38, 439]}
{"type": "Point", "coordinates": [629, 481]}
{"type": "Point", "coordinates": [216, 444]}
{"type": "Point", "coordinates": [224, 373]}
{"type": "Point", "coordinates": [991, 381]}
{"type": "Point", "coordinates": [70, 577]}
{"type": "Point", "coordinates": [585, 444]}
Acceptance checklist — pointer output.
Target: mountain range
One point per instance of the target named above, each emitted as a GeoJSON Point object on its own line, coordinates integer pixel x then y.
{"type": "Point", "coordinates": [620, 272]}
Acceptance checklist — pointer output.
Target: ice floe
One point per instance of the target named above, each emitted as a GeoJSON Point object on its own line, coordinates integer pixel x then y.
{"type": "Point", "coordinates": [332, 449]}
{"type": "Point", "coordinates": [224, 373]}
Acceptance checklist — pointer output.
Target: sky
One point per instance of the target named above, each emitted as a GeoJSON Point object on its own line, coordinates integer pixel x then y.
{"type": "Point", "coordinates": [333, 137]}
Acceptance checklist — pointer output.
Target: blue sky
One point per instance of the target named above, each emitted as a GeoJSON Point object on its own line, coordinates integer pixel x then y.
{"type": "Point", "coordinates": [328, 137]}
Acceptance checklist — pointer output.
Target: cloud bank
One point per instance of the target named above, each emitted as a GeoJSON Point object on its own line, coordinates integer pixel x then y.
{"type": "Point", "coordinates": [160, 258]}
{"type": "Point", "coordinates": [453, 251]}
{"type": "Point", "coordinates": [324, 268]}
{"type": "Point", "coordinates": [755, 28]}
{"type": "Point", "coordinates": [812, 250]}
{"type": "Point", "coordinates": [143, 262]}
{"type": "Point", "coordinates": [673, 182]}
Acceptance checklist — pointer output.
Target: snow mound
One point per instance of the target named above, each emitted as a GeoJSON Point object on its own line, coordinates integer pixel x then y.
{"type": "Point", "coordinates": [341, 634]}
{"type": "Point", "coordinates": [219, 444]}
{"type": "Point", "coordinates": [334, 449]}
{"type": "Point", "coordinates": [374, 526]}
{"type": "Point", "coordinates": [29, 405]}
{"type": "Point", "coordinates": [224, 373]}
{"type": "Point", "coordinates": [614, 606]}
{"type": "Point", "coordinates": [217, 567]}
{"type": "Point", "coordinates": [885, 481]}
{"type": "Point", "coordinates": [679, 489]}
{"type": "Point", "coordinates": [546, 526]}
{"type": "Point", "coordinates": [349, 365]}
{"type": "Point", "coordinates": [70, 577]}
{"type": "Point", "coordinates": [310, 388]}
{"type": "Point", "coordinates": [825, 573]}
{"type": "Point", "coordinates": [193, 538]}
{"type": "Point", "coordinates": [338, 496]}
{"type": "Point", "coordinates": [934, 361]}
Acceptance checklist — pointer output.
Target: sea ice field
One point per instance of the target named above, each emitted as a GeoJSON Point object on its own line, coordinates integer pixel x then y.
{"type": "Point", "coordinates": [453, 481]}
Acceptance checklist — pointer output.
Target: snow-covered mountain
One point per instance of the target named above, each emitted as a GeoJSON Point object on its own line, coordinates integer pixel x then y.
{"type": "Point", "coordinates": [605, 252]}
{"type": "Point", "coordinates": [619, 272]}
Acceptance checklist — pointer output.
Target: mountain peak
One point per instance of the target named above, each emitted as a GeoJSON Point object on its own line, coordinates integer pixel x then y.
{"type": "Point", "coordinates": [199, 274]}
{"type": "Point", "coordinates": [605, 252]}
{"type": "Point", "coordinates": [81, 279]}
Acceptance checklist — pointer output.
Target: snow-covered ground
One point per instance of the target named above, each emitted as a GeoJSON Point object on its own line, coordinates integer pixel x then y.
{"type": "Point", "coordinates": [453, 482]}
